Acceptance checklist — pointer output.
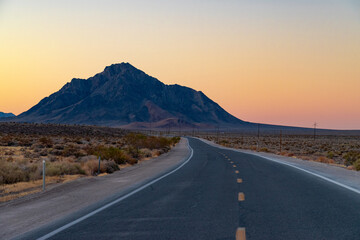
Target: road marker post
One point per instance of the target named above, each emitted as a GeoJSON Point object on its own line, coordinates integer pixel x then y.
{"type": "Point", "coordinates": [99, 165]}
{"type": "Point", "coordinates": [43, 188]}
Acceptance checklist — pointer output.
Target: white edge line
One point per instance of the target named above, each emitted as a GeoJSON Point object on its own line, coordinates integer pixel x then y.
{"type": "Point", "coordinates": [312, 173]}
{"type": "Point", "coordinates": [56, 231]}
{"type": "Point", "coordinates": [291, 165]}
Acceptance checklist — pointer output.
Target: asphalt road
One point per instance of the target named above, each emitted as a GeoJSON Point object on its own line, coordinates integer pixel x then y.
{"type": "Point", "coordinates": [202, 201]}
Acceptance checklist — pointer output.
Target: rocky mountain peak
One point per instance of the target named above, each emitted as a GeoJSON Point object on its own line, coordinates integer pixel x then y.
{"type": "Point", "coordinates": [123, 95]}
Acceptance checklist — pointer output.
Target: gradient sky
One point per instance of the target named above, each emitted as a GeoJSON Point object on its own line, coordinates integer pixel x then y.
{"type": "Point", "coordinates": [272, 61]}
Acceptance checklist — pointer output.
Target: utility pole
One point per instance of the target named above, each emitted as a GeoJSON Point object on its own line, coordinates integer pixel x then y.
{"type": "Point", "coordinates": [315, 124]}
{"type": "Point", "coordinates": [280, 140]}
{"type": "Point", "coordinates": [258, 137]}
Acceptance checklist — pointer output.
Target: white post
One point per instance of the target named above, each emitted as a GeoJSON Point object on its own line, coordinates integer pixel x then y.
{"type": "Point", "coordinates": [43, 175]}
{"type": "Point", "coordinates": [99, 166]}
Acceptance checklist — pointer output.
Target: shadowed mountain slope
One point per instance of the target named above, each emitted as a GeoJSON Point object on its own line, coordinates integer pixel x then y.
{"type": "Point", "coordinates": [123, 95]}
{"type": "Point", "coordinates": [6, 115]}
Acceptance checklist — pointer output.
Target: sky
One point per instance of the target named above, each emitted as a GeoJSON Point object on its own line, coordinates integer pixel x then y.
{"type": "Point", "coordinates": [270, 61]}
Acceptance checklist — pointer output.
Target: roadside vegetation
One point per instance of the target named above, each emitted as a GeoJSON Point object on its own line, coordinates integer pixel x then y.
{"type": "Point", "coordinates": [338, 150]}
{"type": "Point", "coordinates": [70, 151]}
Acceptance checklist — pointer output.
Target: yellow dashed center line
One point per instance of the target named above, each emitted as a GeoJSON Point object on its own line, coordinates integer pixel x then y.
{"type": "Point", "coordinates": [241, 197]}
{"type": "Point", "coordinates": [239, 180]}
{"type": "Point", "coordinates": [236, 171]}
{"type": "Point", "coordinates": [240, 234]}
{"type": "Point", "coordinates": [234, 165]}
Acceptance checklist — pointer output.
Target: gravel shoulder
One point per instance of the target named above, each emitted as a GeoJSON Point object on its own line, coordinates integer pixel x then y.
{"type": "Point", "coordinates": [338, 174]}
{"type": "Point", "coordinates": [82, 195]}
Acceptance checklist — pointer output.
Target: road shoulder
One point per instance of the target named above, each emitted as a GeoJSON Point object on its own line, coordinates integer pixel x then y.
{"type": "Point", "coordinates": [350, 179]}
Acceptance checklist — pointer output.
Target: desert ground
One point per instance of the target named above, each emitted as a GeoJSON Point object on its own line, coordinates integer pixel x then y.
{"type": "Point", "coordinates": [340, 150]}
{"type": "Point", "coordinates": [69, 152]}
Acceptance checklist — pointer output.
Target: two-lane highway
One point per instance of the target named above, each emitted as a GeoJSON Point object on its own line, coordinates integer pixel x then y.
{"type": "Point", "coordinates": [219, 193]}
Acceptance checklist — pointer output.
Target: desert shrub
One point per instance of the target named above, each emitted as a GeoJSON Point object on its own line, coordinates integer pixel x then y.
{"type": "Point", "coordinates": [13, 172]}
{"type": "Point", "coordinates": [142, 141]}
{"type": "Point", "coordinates": [156, 152]}
{"type": "Point", "coordinates": [351, 157]}
{"type": "Point", "coordinates": [46, 141]}
{"type": "Point", "coordinates": [37, 147]}
{"type": "Point", "coordinates": [71, 150]}
{"type": "Point", "coordinates": [86, 158]}
{"type": "Point", "coordinates": [59, 147]}
{"type": "Point", "coordinates": [10, 173]}
{"type": "Point", "coordinates": [91, 167]}
{"type": "Point", "coordinates": [264, 149]}
{"type": "Point", "coordinates": [135, 139]}
{"type": "Point", "coordinates": [53, 158]}
{"type": "Point", "coordinates": [25, 142]}
{"type": "Point", "coordinates": [357, 165]}
{"type": "Point", "coordinates": [323, 159]}
{"type": "Point", "coordinates": [34, 172]}
{"type": "Point", "coordinates": [290, 154]}
{"type": "Point", "coordinates": [223, 142]}
{"type": "Point", "coordinates": [56, 152]}
{"type": "Point", "coordinates": [63, 168]}
{"type": "Point", "coordinates": [44, 152]}
{"type": "Point", "coordinates": [133, 152]}
{"type": "Point", "coordinates": [27, 154]}
{"type": "Point", "coordinates": [7, 140]}
{"type": "Point", "coordinates": [68, 150]}
{"type": "Point", "coordinates": [109, 153]}
{"type": "Point", "coordinates": [330, 155]}
{"type": "Point", "coordinates": [111, 166]}
{"type": "Point", "coordinates": [132, 161]}
{"type": "Point", "coordinates": [78, 140]}
{"type": "Point", "coordinates": [145, 152]}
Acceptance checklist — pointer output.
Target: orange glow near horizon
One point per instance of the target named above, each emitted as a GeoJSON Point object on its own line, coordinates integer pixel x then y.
{"type": "Point", "coordinates": [263, 61]}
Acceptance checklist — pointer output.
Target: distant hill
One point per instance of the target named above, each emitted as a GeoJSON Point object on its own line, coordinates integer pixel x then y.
{"type": "Point", "coordinates": [6, 115]}
{"type": "Point", "coordinates": [123, 95]}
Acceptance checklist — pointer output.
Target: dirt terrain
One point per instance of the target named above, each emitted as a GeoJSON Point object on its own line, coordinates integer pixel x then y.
{"type": "Point", "coordinates": [70, 152]}
{"type": "Point", "coordinates": [83, 195]}
{"type": "Point", "coordinates": [340, 150]}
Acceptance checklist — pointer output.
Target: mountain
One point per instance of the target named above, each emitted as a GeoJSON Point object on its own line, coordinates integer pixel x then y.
{"type": "Point", "coordinates": [6, 115]}
{"type": "Point", "coordinates": [123, 95]}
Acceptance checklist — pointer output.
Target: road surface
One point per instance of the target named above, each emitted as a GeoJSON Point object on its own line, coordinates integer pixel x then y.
{"type": "Point", "coordinates": [219, 192]}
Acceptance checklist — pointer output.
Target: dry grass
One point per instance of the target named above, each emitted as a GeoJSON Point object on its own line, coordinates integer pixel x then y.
{"type": "Point", "coordinates": [338, 150]}
{"type": "Point", "coordinates": [20, 189]}
{"type": "Point", "coordinates": [69, 151]}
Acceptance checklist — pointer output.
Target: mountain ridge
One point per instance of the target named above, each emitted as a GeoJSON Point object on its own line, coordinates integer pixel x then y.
{"type": "Point", "coordinates": [123, 95]}
{"type": "Point", "coordinates": [6, 115]}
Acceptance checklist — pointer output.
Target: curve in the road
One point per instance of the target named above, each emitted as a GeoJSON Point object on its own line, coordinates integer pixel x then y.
{"type": "Point", "coordinates": [211, 198]}
{"type": "Point", "coordinates": [56, 231]}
